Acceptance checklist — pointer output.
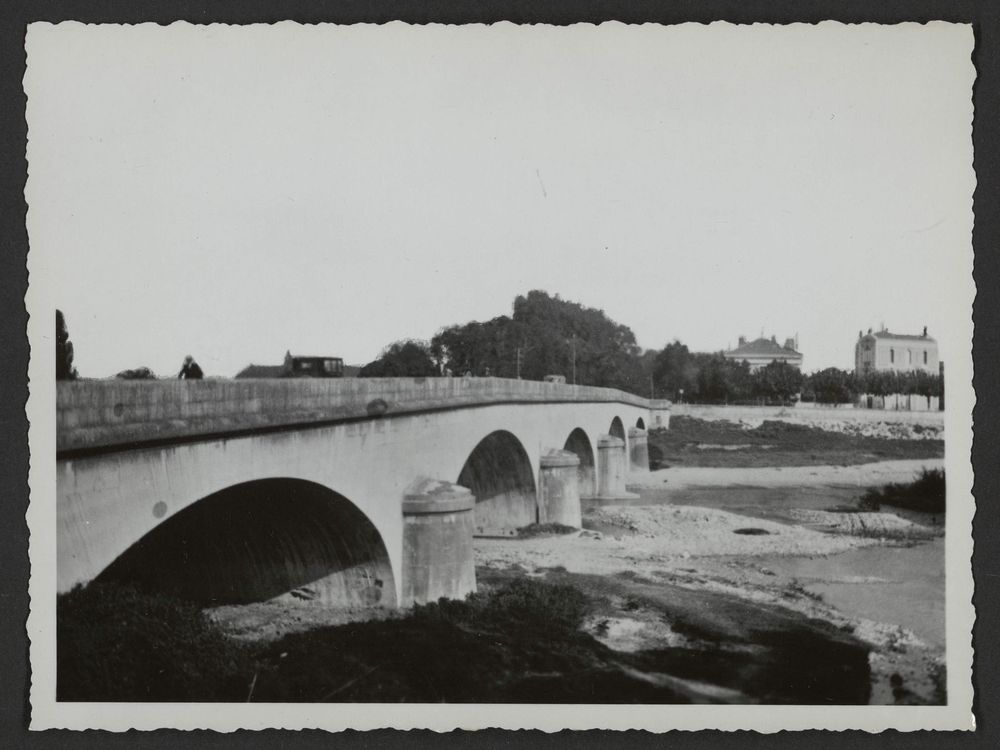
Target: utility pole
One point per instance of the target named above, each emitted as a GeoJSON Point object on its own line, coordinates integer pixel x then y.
{"type": "Point", "coordinates": [574, 358]}
{"type": "Point", "coordinates": [518, 350]}
{"type": "Point", "coordinates": [651, 386]}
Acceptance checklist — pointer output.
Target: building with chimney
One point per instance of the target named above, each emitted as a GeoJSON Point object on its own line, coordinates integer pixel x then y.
{"type": "Point", "coordinates": [884, 351]}
{"type": "Point", "coordinates": [762, 352]}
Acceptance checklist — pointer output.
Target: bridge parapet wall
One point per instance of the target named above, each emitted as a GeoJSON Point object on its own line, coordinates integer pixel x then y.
{"type": "Point", "coordinates": [104, 414]}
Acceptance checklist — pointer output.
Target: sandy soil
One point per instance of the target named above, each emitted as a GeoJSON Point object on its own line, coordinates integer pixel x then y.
{"type": "Point", "coordinates": [643, 539]}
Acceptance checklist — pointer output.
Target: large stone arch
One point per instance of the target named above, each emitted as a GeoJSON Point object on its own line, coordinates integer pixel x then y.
{"type": "Point", "coordinates": [498, 472]}
{"type": "Point", "coordinates": [617, 429]}
{"type": "Point", "coordinates": [265, 539]}
{"type": "Point", "coordinates": [579, 443]}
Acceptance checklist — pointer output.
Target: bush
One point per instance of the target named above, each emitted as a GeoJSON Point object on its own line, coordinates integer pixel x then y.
{"type": "Point", "coordinates": [116, 643]}
{"type": "Point", "coordinates": [926, 494]}
{"type": "Point", "coordinates": [521, 603]}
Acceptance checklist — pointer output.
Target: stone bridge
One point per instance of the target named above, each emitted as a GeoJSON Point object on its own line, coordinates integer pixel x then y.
{"type": "Point", "coordinates": [356, 492]}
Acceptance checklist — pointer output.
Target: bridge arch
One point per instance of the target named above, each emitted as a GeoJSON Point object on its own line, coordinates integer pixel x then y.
{"type": "Point", "coordinates": [617, 428]}
{"type": "Point", "coordinates": [640, 423]}
{"type": "Point", "coordinates": [278, 538]}
{"type": "Point", "coordinates": [498, 472]}
{"type": "Point", "coordinates": [579, 443]}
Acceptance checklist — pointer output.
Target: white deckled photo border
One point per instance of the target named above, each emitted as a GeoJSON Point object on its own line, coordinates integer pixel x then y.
{"type": "Point", "coordinates": [46, 43]}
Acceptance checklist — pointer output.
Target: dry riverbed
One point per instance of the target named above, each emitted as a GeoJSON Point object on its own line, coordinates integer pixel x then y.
{"type": "Point", "coordinates": [715, 581]}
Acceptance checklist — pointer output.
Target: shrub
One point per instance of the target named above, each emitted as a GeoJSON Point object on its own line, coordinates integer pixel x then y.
{"type": "Point", "coordinates": [117, 643]}
{"type": "Point", "coordinates": [926, 494]}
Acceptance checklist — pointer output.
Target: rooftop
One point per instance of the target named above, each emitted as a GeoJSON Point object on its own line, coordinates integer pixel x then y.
{"type": "Point", "coordinates": [905, 336]}
{"type": "Point", "coordinates": [763, 347]}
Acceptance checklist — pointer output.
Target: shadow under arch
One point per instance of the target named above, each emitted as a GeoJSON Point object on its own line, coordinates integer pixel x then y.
{"type": "Point", "coordinates": [579, 443]}
{"type": "Point", "coordinates": [267, 539]}
{"type": "Point", "coordinates": [640, 423]}
{"type": "Point", "coordinates": [617, 429]}
{"type": "Point", "coordinates": [499, 474]}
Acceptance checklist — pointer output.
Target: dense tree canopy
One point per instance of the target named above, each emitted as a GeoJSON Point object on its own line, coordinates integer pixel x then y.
{"type": "Point", "coordinates": [403, 359]}
{"type": "Point", "coordinates": [545, 336]}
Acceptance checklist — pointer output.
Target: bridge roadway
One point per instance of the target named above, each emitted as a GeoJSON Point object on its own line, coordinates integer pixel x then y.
{"type": "Point", "coordinates": [347, 491]}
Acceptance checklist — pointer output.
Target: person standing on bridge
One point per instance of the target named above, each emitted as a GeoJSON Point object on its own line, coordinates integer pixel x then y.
{"type": "Point", "coordinates": [190, 370]}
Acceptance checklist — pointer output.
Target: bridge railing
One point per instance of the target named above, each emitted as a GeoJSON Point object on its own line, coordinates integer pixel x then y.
{"type": "Point", "coordinates": [94, 414]}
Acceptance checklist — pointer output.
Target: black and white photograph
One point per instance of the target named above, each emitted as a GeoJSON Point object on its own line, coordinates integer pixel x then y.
{"type": "Point", "coordinates": [595, 376]}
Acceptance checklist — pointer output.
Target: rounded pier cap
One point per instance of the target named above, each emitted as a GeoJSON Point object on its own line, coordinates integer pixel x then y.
{"type": "Point", "coordinates": [428, 495]}
{"type": "Point", "coordinates": [610, 441]}
{"type": "Point", "coordinates": [555, 457]}
{"type": "Point", "coordinates": [636, 432]}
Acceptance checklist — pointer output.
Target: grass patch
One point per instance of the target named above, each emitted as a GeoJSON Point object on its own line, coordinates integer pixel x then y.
{"type": "Point", "coordinates": [719, 443]}
{"type": "Point", "coordinates": [925, 494]}
{"type": "Point", "coordinates": [116, 643]}
{"type": "Point", "coordinates": [519, 642]}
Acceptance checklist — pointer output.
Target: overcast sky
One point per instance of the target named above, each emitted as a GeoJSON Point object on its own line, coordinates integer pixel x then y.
{"type": "Point", "coordinates": [235, 192]}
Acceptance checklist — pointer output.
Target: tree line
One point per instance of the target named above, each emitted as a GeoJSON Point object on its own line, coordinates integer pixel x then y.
{"type": "Point", "coordinates": [546, 335]}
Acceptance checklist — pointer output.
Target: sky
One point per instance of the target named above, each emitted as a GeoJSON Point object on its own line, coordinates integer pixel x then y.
{"type": "Point", "coordinates": [236, 192]}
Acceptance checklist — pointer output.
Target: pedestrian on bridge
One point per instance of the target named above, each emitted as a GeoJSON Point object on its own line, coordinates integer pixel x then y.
{"type": "Point", "coordinates": [190, 370]}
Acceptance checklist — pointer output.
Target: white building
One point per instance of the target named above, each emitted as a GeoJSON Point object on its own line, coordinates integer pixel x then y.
{"type": "Point", "coordinates": [884, 351]}
{"type": "Point", "coordinates": [762, 352]}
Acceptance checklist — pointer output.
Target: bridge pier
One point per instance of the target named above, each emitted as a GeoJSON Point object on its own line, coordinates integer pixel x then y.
{"type": "Point", "coordinates": [611, 469]}
{"type": "Point", "coordinates": [438, 522]}
{"type": "Point", "coordinates": [559, 489]}
{"type": "Point", "coordinates": [638, 450]}
{"type": "Point", "coordinates": [659, 414]}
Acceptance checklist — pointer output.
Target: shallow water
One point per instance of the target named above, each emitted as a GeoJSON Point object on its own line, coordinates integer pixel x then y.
{"type": "Point", "coordinates": [889, 584]}
{"type": "Point", "coordinates": [899, 585]}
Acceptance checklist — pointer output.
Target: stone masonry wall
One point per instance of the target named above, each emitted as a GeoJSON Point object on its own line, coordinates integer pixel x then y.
{"type": "Point", "coordinates": [107, 413]}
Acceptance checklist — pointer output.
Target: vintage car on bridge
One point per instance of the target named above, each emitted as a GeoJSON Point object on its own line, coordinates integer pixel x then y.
{"type": "Point", "coordinates": [297, 366]}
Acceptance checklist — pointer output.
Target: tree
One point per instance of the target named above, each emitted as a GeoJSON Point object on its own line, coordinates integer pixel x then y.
{"type": "Point", "coordinates": [403, 359]}
{"type": "Point", "coordinates": [832, 386]}
{"type": "Point", "coordinates": [545, 335]}
{"type": "Point", "coordinates": [477, 348]}
{"type": "Point", "coordinates": [554, 334]}
{"type": "Point", "coordinates": [64, 350]}
{"type": "Point", "coordinates": [777, 381]}
{"type": "Point", "coordinates": [675, 370]}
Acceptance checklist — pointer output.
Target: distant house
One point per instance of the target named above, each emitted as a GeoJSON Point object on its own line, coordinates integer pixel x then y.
{"type": "Point", "coordinates": [883, 351]}
{"type": "Point", "coordinates": [762, 352]}
{"type": "Point", "coordinates": [297, 366]}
